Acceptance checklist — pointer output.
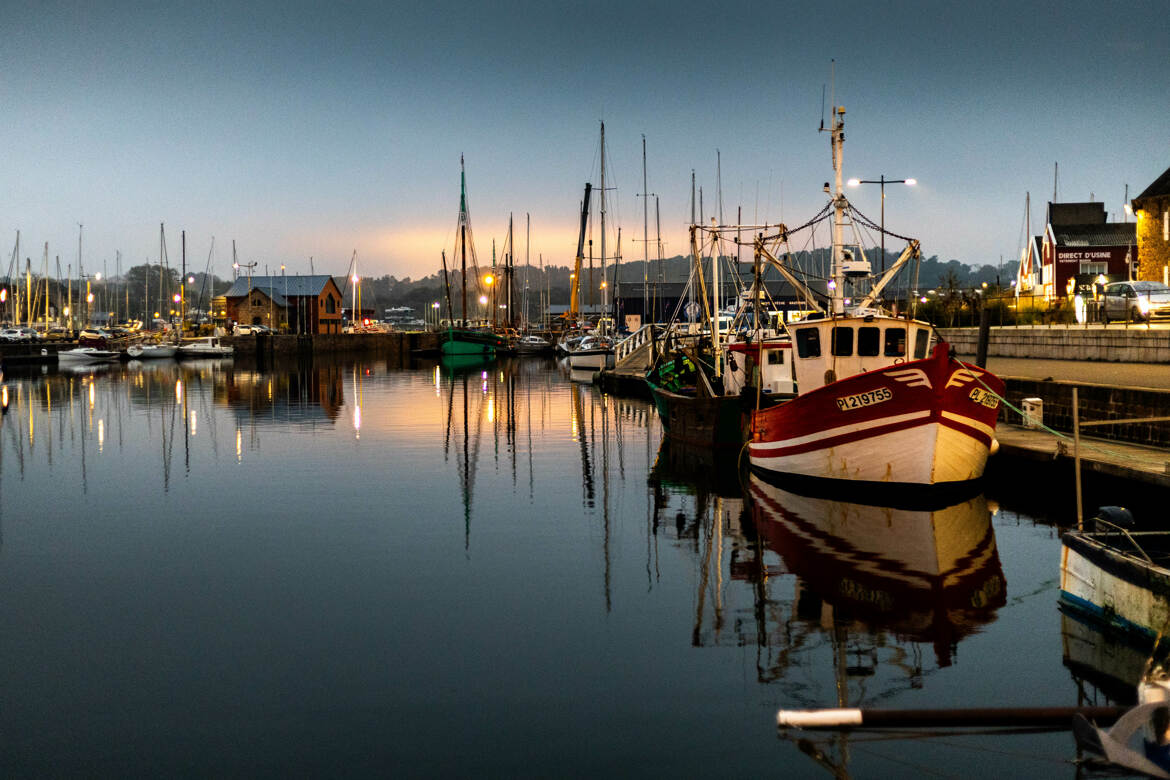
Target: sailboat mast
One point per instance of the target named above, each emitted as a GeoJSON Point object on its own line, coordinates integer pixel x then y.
{"type": "Point", "coordinates": [463, 235]}
{"type": "Point", "coordinates": [645, 240]}
{"type": "Point", "coordinates": [604, 289]}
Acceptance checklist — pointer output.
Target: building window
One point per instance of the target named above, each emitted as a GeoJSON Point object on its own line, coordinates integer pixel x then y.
{"type": "Point", "coordinates": [330, 306]}
{"type": "Point", "coordinates": [1094, 268]}
{"type": "Point", "coordinates": [1166, 225]}
{"type": "Point", "coordinates": [257, 302]}
{"type": "Point", "coordinates": [808, 342]}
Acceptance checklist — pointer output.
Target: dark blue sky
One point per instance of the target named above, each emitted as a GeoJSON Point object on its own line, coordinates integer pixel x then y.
{"type": "Point", "coordinates": [312, 130]}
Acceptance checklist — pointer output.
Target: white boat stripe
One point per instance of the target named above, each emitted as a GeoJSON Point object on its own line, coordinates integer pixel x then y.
{"type": "Point", "coordinates": [981, 427]}
{"type": "Point", "coordinates": [842, 430]}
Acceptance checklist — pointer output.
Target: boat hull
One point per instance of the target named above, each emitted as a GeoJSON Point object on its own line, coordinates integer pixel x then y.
{"type": "Point", "coordinates": [151, 351]}
{"type": "Point", "coordinates": [461, 342]}
{"type": "Point", "coordinates": [717, 421]}
{"type": "Point", "coordinates": [928, 422]}
{"type": "Point", "coordinates": [86, 355]}
{"type": "Point", "coordinates": [1118, 591]}
{"type": "Point", "coordinates": [591, 360]}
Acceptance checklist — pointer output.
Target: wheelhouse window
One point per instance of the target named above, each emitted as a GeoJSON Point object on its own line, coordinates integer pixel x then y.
{"type": "Point", "coordinates": [808, 342]}
{"type": "Point", "coordinates": [921, 338]}
{"type": "Point", "coordinates": [843, 342]}
{"type": "Point", "coordinates": [895, 342]}
{"type": "Point", "coordinates": [869, 341]}
{"type": "Point", "coordinates": [775, 357]}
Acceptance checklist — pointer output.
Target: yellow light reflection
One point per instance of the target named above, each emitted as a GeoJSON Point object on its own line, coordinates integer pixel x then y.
{"type": "Point", "coordinates": [179, 391]}
{"type": "Point", "coordinates": [91, 396]}
{"type": "Point", "coordinates": [101, 435]}
{"type": "Point", "coordinates": [239, 445]}
{"type": "Point", "coordinates": [491, 413]}
{"type": "Point", "coordinates": [193, 426]}
{"type": "Point", "coordinates": [357, 422]}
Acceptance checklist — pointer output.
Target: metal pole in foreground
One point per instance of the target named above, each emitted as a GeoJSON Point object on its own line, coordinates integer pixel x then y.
{"type": "Point", "coordinates": [1077, 457]}
{"type": "Point", "coordinates": [1057, 717]}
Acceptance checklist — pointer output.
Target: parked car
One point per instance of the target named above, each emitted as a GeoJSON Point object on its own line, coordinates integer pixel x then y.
{"type": "Point", "coordinates": [19, 334]}
{"type": "Point", "coordinates": [1135, 301]}
{"type": "Point", "coordinates": [245, 330]}
{"type": "Point", "coordinates": [57, 334]}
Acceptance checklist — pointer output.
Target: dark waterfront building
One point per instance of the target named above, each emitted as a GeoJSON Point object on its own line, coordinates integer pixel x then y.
{"type": "Point", "coordinates": [300, 304]}
{"type": "Point", "coordinates": [1152, 208]}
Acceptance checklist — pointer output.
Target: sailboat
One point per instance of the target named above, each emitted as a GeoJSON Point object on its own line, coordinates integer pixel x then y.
{"type": "Point", "coordinates": [881, 402]}
{"type": "Point", "coordinates": [705, 389]}
{"type": "Point", "coordinates": [596, 351]}
{"type": "Point", "coordinates": [464, 340]}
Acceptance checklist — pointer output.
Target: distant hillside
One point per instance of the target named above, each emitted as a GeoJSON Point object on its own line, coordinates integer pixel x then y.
{"type": "Point", "coordinates": [420, 294]}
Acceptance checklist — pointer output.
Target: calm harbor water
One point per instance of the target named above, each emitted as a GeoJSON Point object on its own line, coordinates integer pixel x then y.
{"type": "Point", "coordinates": [343, 568]}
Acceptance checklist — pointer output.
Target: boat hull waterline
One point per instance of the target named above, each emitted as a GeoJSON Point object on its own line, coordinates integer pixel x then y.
{"type": "Point", "coordinates": [927, 422]}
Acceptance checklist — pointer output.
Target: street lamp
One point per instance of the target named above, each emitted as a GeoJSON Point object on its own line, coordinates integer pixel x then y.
{"type": "Point", "coordinates": [883, 181]}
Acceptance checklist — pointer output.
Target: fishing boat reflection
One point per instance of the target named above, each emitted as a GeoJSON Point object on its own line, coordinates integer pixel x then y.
{"type": "Point", "coordinates": [928, 576]}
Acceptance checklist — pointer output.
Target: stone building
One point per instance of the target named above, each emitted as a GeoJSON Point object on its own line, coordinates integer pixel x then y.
{"type": "Point", "coordinates": [1152, 208]}
{"type": "Point", "coordinates": [299, 304]}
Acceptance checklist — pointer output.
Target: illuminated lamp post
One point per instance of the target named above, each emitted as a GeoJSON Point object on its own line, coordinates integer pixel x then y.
{"type": "Point", "coordinates": [490, 280]}
{"type": "Point", "coordinates": [883, 181]}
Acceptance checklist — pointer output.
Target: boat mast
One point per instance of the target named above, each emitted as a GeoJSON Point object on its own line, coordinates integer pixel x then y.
{"type": "Point", "coordinates": [463, 235]}
{"type": "Point", "coordinates": [645, 241]}
{"type": "Point", "coordinates": [604, 288]}
{"type": "Point", "coordinates": [839, 203]}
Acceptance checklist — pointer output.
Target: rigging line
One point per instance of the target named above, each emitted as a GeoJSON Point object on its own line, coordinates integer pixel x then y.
{"type": "Point", "coordinates": [975, 371]}
{"type": "Point", "coordinates": [875, 226]}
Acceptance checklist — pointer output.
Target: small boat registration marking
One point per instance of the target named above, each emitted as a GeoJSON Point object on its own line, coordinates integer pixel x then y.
{"type": "Point", "coordinates": [981, 396]}
{"type": "Point", "coordinates": [869, 398]}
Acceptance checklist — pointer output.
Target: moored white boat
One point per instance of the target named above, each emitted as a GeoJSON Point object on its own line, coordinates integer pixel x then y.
{"type": "Point", "coordinates": [151, 351]}
{"type": "Point", "coordinates": [83, 355]}
{"type": "Point", "coordinates": [1117, 578]}
{"type": "Point", "coordinates": [210, 346]}
{"type": "Point", "coordinates": [593, 353]}
{"type": "Point", "coordinates": [533, 345]}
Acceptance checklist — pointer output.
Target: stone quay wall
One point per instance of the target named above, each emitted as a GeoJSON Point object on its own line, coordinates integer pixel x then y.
{"type": "Point", "coordinates": [1114, 344]}
{"type": "Point", "coordinates": [1097, 402]}
{"type": "Point", "coordinates": [397, 346]}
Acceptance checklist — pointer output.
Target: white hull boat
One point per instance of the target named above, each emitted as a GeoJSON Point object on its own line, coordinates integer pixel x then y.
{"type": "Point", "coordinates": [83, 355]}
{"type": "Point", "coordinates": [152, 351]}
{"type": "Point", "coordinates": [210, 347]}
{"type": "Point", "coordinates": [592, 354]}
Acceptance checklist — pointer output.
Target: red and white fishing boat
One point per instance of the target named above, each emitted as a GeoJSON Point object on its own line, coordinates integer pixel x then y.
{"type": "Point", "coordinates": [880, 401]}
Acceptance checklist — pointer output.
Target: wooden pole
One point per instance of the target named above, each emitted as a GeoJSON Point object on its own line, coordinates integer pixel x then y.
{"type": "Point", "coordinates": [1077, 457]}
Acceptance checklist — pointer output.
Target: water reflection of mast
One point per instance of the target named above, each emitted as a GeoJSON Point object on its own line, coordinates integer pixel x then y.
{"type": "Point", "coordinates": [583, 441]}
{"type": "Point", "coordinates": [465, 464]}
